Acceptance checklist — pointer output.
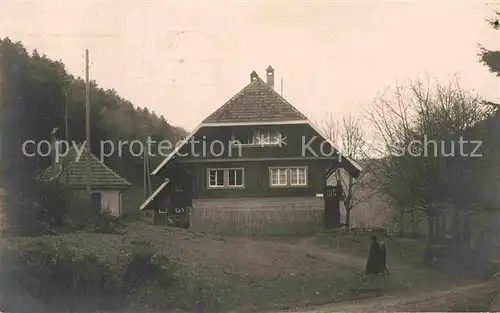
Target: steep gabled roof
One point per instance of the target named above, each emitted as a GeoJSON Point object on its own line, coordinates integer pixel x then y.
{"type": "Point", "coordinates": [257, 102]}
{"type": "Point", "coordinates": [73, 173]}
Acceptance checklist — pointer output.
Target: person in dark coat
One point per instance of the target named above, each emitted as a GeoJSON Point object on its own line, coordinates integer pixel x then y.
{"type": "Point", "coordinates": [374, 260]}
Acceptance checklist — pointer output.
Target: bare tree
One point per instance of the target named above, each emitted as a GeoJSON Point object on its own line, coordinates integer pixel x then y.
{"type": "Point", "coordinates": [347, 133]}
{"type": "Point", "coordinates": [415, 119]}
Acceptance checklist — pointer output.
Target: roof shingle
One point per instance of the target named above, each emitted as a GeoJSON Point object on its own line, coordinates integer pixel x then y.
{"type": "Point", "coordinates": [73, 173]}
{"type": "Point", "coordinates": [257, 102]}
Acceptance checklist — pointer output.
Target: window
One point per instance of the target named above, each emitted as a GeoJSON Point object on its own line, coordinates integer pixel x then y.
{"type": "Point", "coordinates": [279, 176]}
{"type": "Point", "coordinates": [215, 178]}
{"type": "Point", "coordinates": [298, 176]}
{"type": "Point", "coordinates": [266, 138]}
{"type": "Point", "coordinates": [226, 178]}
{"type": "Point", "coordinates": [256, 138]}
{"type": "Point", "coordinates": [235, 178]}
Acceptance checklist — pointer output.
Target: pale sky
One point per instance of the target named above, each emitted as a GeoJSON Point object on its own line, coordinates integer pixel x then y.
{"type": "Point", "coordinates": [185, 59]}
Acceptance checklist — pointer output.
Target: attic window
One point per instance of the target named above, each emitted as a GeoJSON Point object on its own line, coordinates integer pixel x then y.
{"type": "Point", "coordinates": [256, 138]}
{"type": "Point", "coordinates": [266, 138]}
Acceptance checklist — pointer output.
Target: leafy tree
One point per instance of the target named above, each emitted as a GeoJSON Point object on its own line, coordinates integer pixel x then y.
{"type": "Point", "coordinates": [491, 58]}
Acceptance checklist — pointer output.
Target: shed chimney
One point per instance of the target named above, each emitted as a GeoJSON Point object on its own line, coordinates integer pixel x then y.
{"type": "Point", "coordinates": [253, 76]}
{"type": "Point", "coordinates": [270, 76]}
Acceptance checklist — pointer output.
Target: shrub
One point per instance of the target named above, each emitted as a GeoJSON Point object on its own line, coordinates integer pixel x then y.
{"type": "Point", "coordinates": [50, 208]}
{"type": "Point", "coordinates": [38, 208]}
{"type": "Point", "coordinates": [145, 266]}
{"type": "Point", "coordinates": [56, 271]}
{"type": "Point", "coordinates": [104, 223]}
{"type": "Point", "coordinates": [21, 217]}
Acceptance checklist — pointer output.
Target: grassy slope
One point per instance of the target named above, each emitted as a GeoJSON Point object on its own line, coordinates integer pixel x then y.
{"type": "Point", "coordinates": [221, 274]}
{"type": "Point", "coordinates": [218, 274]}
{"type": "Point", "coordinates": [242, 274]}
{"type": "Point", "coordinates": [404, 261]}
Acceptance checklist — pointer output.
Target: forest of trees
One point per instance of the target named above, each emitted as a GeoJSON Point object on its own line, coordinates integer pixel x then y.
{"type": "Point", "coordinates": [35, 94]}
{"type": "Point", "coordinates": [36, 90]}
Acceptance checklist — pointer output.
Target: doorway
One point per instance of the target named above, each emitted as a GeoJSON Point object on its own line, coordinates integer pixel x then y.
{"type": "Point", "coordinates": [331, 196]}
{"type": "Point", "coordinates": [96, 201]}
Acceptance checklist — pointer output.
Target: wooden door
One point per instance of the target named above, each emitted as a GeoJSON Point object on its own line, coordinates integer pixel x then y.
{"type": "Point", "coordinates": [96, 200]}
{"type": "Point", "coordinates": [332, 207]}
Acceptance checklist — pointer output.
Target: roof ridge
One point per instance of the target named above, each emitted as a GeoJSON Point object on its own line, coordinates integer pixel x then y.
{"type": "Point", "coordinates": [110, 170]}
{"type": "Point", "coordinates": [104, 164]}
{"type": "Point", "coordinates": [71, 161]}
{"type": "Point", "coordinates": [234, 97]}
{"type": "Point", "coordinates": [260, 91]}
{"type": "Point", "coordinates": [282, 98]}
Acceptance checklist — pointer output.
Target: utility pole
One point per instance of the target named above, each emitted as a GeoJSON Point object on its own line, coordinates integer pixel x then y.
{"type": "Point", "coordinates": [147, 177]}
{"type": "Point", "coordinates": [3, 182]}
{"type": "Point", "coordinates": [66, 114]}
{"type": "Point", "coordinates": [145, 174]}
{"type": "Point", "coordinates": [148, 171]}
{"type": "Point", "coordinates": [87, 122]}
{"type": "Point", "coordinates": [2, 114]}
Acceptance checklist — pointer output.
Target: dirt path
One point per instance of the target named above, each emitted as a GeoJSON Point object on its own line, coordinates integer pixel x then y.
{"type": "Point", "coordinates": [307, 246]}
{"type": "Point", "coordinates": [438, 300]}
{"type": "Point", "coordinates": [428, 301]}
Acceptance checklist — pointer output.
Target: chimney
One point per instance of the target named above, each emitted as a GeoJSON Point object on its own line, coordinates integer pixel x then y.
{"type": "Point", "coordinates": [253, 76]}
{"type": "Point", "coordinates": [270, 76]}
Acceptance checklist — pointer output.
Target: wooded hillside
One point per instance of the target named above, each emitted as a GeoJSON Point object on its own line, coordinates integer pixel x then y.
{"type": "Point", "coordinates": [36, 90]}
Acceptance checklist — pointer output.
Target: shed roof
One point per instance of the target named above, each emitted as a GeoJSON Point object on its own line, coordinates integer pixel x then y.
{"type": "Point", "coordinates": [72, 172]}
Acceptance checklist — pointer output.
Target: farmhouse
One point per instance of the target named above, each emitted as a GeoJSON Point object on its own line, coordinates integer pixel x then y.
{"type": "Point", "coordinates": [255, 150]}
{"type": "Point", "coordinates": [107, 186]}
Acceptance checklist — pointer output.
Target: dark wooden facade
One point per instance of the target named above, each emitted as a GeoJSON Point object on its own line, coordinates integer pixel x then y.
{"type": "Point", "coordinates": [197, 157]}
{"type": "Point", "coordinates": [294, 135]}
{"type": "Point", "coordinates": [220, 144]}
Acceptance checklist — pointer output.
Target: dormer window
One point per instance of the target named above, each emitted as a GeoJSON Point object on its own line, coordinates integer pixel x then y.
{"type": "Point", "coordinates": [258, 138]}
{"type": "Point", "coordinates": [266, 138]}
